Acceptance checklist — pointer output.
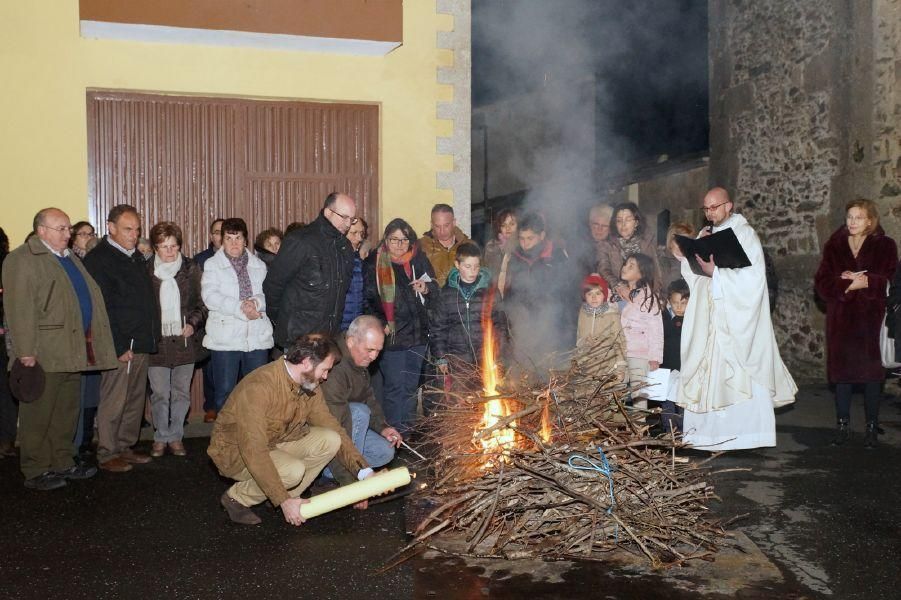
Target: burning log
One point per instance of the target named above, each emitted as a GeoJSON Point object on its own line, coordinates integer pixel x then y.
{"type": "Point", "coordinates": [558, 470]}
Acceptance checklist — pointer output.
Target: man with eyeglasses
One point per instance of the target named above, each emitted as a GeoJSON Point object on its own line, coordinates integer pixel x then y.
{"type": "Point", "coordinates": [57, 323]}
{"type": "Point", "coordinates": [307, 282]}
{"type": "Point", "coordinates": [732, 375]}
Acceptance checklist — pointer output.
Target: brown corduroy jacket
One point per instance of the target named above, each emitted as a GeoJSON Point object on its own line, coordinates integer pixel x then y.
{"type": "Point", "coordinates": [267, 408]}
{"type": "Point", "coordinates": [442, 258]}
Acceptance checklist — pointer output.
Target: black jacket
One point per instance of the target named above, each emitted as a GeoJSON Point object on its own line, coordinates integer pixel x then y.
{"type": "Point", "coordinates": [410, 315]}
{"type": "Point", "coordinates": [306, 283]}
{"type": "Point", "coordinates": [672, 340]}
{"type": "Point", "coordinates": [457, 321]}
{"type": "Point", "coordinates": [128, 295]}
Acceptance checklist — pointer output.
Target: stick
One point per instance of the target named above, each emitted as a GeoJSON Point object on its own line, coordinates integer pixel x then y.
{"type": "Point", "coordinates": [131, 347]}
{"type": "Point", "coordinates": [407, 446]}
{"type": "Point", "coordinates": [183, 325]}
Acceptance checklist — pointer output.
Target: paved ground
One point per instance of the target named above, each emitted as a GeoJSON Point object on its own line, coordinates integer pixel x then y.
{"type": "Point", "coordinates": [823, 523]}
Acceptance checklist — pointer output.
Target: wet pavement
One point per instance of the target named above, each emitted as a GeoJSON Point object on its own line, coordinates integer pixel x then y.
{"type": "Point", "coordinates": [821, 522]}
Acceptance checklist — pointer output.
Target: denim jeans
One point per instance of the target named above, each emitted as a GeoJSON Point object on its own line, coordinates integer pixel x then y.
{"type": "Point", "coordinates": [401, 370]}
{"type": "Point", "coordinates": [226, 365]}
{"type": "Point", "coordinates": [374, 448]}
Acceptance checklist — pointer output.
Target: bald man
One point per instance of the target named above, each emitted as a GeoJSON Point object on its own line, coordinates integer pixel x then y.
{"type": "Point", "coordinates": [57, 320]}
{"type": "Point", "coordinates": [732, 375]}
{"type": "Point", "coordinates": [308, 280]}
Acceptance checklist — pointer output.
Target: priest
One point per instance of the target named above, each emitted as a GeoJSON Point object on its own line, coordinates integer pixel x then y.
{"type": "Point", "coordinates": [732, 376]}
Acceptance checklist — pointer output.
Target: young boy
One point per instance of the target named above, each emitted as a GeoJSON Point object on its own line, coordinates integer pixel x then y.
{"type": "Point", "coordinates": [457, 317]}
{"type": "Point", "coordinates": [599, 331]}
{"type": "Point", "coordinates": [677, 294]}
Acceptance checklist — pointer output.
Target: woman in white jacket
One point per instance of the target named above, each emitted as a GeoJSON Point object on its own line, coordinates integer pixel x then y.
{"type": "Point", "coordinates": [238, 332]}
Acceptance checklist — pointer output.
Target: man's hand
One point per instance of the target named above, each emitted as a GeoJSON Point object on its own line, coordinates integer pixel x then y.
{"type": "Point", "coordinates": [706, 265]}
{"type": "Point", "coordinates": [393, 437]}
{"type": "Point", "coordinates": [653, 365]}
{"type": "Point", "coordinates": [705, 231]}
{"type": "Point", "coordinates": [126, 356]}
{"type": "Point", "coordinates": [291, 510]}
{"type": "Point", "coordinates": [28, 361]}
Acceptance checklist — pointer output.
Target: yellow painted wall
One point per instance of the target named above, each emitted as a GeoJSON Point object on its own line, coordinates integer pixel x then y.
{"type": "Point", "coordinates": [46, 67]}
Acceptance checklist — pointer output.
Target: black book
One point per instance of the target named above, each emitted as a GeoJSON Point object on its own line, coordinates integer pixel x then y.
{"type": "Point", "coordinates": [723, 245]}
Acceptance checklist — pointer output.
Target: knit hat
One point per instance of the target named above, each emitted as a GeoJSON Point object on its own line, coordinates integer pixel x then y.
{"type": "Point", "coordinates": [595, 280]}
{"type": "Point", "coordinates": [26, 383]}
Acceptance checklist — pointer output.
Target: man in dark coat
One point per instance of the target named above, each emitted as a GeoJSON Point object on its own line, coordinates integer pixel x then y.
{"type": "Point", "coordinates": [209, 402]}
{"type": "Point", "coordinates": [308, 280]}
{"type": "Point", "coordinates": [215, 243]}
{"type": "Point", "coordinates": [122, 275]}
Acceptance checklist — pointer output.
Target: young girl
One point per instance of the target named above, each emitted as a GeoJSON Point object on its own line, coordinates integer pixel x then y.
{"type": "Point", "coordinates": [641, 320]}
{"type": "Point", "coordinates": [600, 344]}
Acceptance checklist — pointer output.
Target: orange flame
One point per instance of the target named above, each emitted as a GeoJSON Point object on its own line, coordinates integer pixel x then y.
{"type": "Point", "coordinates": [495, 409]}
{"type": "Point", "coordinates": [545, 431]}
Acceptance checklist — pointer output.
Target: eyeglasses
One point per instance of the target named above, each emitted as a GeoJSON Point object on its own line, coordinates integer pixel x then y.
{"type": "Point", "coordinates": [398, 241]}
{"type": "Point", "coordinates": [353, 220]}
{"type": "Point", "coordinates": [707, 209]}
{"type": "Point", "coordinates": [59, 229]}
{"type": "Point", "coordinates": [89, 234]}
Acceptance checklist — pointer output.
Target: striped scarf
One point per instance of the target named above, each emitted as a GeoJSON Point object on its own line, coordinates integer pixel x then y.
{"type": "Point", "coordinates": [384, 276]}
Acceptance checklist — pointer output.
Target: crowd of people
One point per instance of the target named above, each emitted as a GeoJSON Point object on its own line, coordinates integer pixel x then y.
{"type": "Point", "coordinates": [314, 342]}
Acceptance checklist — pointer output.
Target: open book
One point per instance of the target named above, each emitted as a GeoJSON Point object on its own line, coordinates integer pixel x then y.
{"type": "Point", "coordinates": [723, 245]}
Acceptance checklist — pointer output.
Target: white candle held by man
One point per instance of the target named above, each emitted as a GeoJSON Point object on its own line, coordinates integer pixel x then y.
{"type": "Point", "coordinates": [355, 492]}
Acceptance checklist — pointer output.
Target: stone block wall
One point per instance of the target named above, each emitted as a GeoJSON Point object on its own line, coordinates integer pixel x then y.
{"type": "Point", "coordinates": [804, 117]}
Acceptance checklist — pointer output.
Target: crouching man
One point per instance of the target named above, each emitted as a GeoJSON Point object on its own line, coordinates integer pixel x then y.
{"type": "Point", "coordinates": [349, 396]}
{"type": "Point", "coordinates": [275, 433]}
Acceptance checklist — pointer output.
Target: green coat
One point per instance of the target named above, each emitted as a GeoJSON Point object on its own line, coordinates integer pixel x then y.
{"type": "Point", "coordinates": [43, 315]}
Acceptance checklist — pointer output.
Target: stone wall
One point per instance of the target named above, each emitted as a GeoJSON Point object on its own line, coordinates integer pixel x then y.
{"type": "Point", "coordinates": [804, 117]}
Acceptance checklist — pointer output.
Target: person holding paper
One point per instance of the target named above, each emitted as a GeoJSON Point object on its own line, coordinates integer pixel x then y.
{"type": "Point", "coordinates": [732, 375]}
{"type": "Point", "coordinates": [399, 288]}
{"type": "Point", "coordinates": [858, 263]}
{"type": "Point", "coordinates": [275, 433]}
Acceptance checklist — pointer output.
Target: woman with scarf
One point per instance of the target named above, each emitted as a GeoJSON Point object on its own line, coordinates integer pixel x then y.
{"type": "Point", "coordinates": [398, 287]}
{"type": "Point", "coordinates": [238, 332]}
{"type": "Point", "coordinates": [629, 234]}
{"type": "Point", "coordinates": [176, 285]}
{"type": "Point", "coordinates": [498, 249]}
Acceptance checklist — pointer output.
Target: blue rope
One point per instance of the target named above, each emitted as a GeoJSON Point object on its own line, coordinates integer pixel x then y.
{"type": "Point", "coordinates": [604, 469]}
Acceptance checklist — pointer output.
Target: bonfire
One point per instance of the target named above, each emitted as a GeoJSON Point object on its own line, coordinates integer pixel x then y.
{"type": "Point", "coordinates": [557, 470]}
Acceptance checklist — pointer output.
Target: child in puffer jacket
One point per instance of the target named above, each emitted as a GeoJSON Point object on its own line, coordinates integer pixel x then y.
{"type": "Point", "coordinates": [600, 343]}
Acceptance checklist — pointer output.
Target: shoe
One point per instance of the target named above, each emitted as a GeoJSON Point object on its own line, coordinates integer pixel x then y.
{"type": "Point", "coordinates": [210, 416]}
{"type": "Point", "coordinates": [78, 471]}
{"type": "Point", "coordinates": [842, 433]}
{"type": "Point", "coordinates": [871, 438]}
{"type": "Point", "coordinates": [45, 482]}
{"type": "Point", "coordinates": [116, 465]}
{"type": "Point", "coordinates": [237, 512]}
{"type": "Point", "coordinates": [157, 449]}
{"type": "Point", "coordinates": [135, 458]}
{"type": "Point", "coordinates": [178, 448]}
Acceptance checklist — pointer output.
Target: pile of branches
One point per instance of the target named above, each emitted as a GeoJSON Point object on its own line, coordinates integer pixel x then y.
{"type": "Point", "coordinates": [597, 484]}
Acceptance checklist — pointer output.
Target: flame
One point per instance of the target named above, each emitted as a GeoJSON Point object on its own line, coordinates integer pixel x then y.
{"type": "Point", "coordinates": [545, 431]}
{"type": "Point", "coordinates": [496, 408]}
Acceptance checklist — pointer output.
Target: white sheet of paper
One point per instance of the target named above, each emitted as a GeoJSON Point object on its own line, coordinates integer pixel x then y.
{"type": "Point", "coordinates": [658, 385]}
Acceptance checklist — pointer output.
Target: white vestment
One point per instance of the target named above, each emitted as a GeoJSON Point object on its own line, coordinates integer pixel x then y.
{"type": "Point", "coordinates": [732, 375]}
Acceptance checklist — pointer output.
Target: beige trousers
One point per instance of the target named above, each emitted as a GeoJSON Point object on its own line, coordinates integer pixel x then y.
{"type": "Point", "coordinates": [297, 463]}
{"type": "Point", "coordinates": [638, 373]}
{"type": "Point", "coordinates": [123, 394]}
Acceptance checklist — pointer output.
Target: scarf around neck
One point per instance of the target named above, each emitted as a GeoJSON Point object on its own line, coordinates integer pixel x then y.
{"type": "Point", "coordinates": [245, 290]}
{"type": "Point", "coordinates": [630, 246]}
{"type": "Point", "coordinates": [384, 273]}
{"type": "Point", "coordinates": [170, 296]}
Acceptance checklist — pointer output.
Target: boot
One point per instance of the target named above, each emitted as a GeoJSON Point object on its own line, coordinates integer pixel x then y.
{"type": "Point", "coordinates": [870, 440]}
{"type": "Point", "coordinates": [842, 432]}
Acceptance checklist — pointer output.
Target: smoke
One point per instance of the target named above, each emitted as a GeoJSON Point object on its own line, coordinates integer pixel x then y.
{"type": "Point", "coordinates": [563, 86]}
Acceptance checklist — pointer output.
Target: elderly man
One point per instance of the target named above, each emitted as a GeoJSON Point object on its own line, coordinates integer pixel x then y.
{"type": "Point", "coordinates": [732, 375]}
{"type": "Point", "coordinates": [275, 433]}
{"type": "Point", "coordinates": [440, 243]}
{"type": "Point", "coordinates": [352, 402]}
{"type": "Point", "coordinates": [121, 272]}
{"type": "Point", "coordinates": [56, 318]}
{"type": "Point", "coordinates": [308, 280]}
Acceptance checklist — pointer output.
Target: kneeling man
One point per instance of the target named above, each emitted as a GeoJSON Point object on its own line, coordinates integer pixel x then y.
{"type": "Point", "coordinates": [348, 393]}
{"type": "Point", "coordinates": [275, 433]}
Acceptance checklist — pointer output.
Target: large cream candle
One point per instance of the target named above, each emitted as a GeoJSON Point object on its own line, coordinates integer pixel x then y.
{"type": "Point", "coordinates": [355, 492]}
